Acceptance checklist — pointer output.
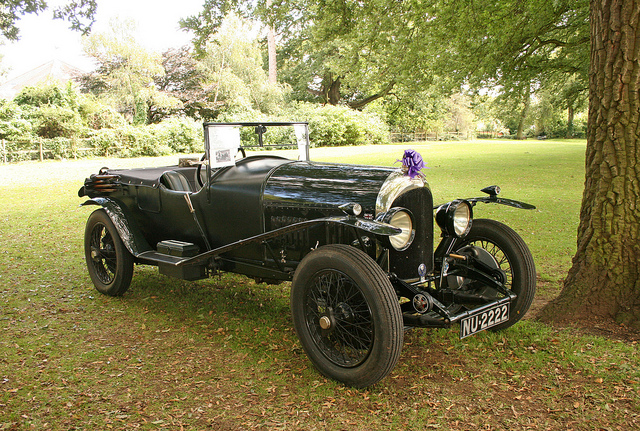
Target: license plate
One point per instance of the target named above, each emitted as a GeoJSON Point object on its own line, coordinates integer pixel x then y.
{"type": "Point", "coordinates": [484, 320]}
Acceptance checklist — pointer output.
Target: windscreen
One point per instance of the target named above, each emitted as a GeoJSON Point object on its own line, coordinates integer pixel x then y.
{"type": "Point", "coordinates": [225, 142]}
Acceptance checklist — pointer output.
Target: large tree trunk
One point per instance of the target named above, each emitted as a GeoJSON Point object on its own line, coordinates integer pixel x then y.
{"type": "Point", "coordinates": [271, 49]}
{"type": "Point", "coordinates": [329, 91]}
{"type": "Point", "coordinates": [570, 115]}
{"type": "Point", "coordinates": [604, 280]}
{"type": "Point", "coordinates": [357, 104]}
{"type": "Point", "coordinates": [523, 115]}
{"type": "Point", "coordinates": [332, 89]}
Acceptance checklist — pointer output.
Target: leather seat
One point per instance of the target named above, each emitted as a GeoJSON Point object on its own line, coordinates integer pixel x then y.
{"type": "Point", "coordinates": [175, 181]}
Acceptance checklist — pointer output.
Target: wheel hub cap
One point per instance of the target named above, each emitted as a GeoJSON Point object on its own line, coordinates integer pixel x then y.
{"type": "Point", "coordinates": [325, 322]}
{"type": "Point", "coordinates": [95, 255]}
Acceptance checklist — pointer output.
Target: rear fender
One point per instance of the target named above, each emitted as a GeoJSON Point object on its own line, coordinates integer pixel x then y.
{"type": "Point", "coordinates": [128, 230]}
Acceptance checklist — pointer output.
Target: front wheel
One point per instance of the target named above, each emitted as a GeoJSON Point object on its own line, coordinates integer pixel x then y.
{"type": "Point", "coordinates": [109, 262]}
{"type": "Point", "coordinates": [502, 248]}
{"type": "Point", "coordinates": [346, 315]}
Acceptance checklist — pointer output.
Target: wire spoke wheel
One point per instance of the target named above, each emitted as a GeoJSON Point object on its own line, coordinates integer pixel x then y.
{"type": "Point", "coordinates": [103, 256]}
{"type": "Point", "coordinates": [109, 262]}
{"type": "Point", "coordinates": [339, 318]}
{"type": "Point", "coordinates": [500, 259]}
{"type": "Point", "coordinates": [502, 248]}
{"type": "Point", "coordinates": [346, 315]}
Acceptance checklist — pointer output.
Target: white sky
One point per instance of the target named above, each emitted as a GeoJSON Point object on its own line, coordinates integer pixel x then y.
{"type": "Point", "coordinates": [43, 39]}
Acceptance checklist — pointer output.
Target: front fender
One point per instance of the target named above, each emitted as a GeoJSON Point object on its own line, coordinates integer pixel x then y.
{"type": "Point", "coordinates": [502, 201]}
{"type": "Point", "coordinates": [128, 230]}
{"type": "Point", "coordinates": [493, 198]}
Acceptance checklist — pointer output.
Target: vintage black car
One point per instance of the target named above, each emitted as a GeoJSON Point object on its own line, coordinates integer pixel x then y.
{"type": "Point", "coordinates": [356, 242]}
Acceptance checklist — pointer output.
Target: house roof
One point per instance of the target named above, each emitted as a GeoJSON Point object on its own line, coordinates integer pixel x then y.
{"type": "Point", "coordinates": [53, 71]}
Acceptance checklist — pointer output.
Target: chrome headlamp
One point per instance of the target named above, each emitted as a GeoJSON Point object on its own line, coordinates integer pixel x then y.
{"type": "Point", "coordinates": [402, 219]}
{"type": "Point", "coordinates": [455, 217]}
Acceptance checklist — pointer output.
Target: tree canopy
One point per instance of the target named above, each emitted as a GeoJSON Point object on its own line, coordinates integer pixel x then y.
{"type": "Point", "coordinates": [357, 52]}
{"type": "Point", "coordinates": [125, 73]}
{"type": "Point", "coordinates": [79, 13]}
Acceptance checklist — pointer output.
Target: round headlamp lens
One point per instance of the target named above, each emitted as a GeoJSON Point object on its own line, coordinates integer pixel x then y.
{"type": "Point", "coordinates": [462, 219]}
{"type": "Point", "coordinates": [402, 220]}
{"type": "Point", "coordinates": [455, 218]}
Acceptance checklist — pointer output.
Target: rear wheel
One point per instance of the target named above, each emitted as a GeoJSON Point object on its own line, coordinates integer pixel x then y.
{"type": "Point", "coordinates": [346, 315]}
{"type": "Point", "coordinates": [109, 262]}
{"type": "Point", "coordinates": [502, 248]}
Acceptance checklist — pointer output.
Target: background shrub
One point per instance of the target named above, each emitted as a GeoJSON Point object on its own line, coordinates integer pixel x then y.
{"type": "Point", "coordinates": [105, 142]}
{"type": "Point", "coordinates": [56, 121]}
{"type": "Point", "coordinates": [67, 123]}
{"type": "Point", "coordinates": [61, 148]}
{"type": "Point", "coordinates": [98, 116]}
{"type": "Point", "coordinates": [13, 122]}
{"type": "Point", "coordinates": [139, 141]}
{"type": "Point", "coordinates": [47, 94]}
{"type": "Point", "coordinates": [181, 135]}
{"type": "Point", "coordinates": [331, 126]}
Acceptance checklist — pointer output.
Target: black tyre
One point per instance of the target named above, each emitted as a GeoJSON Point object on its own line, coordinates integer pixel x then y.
{"type": "Point", "coordinates": [346, 315]}
{"type": "Point", "coordinates": [503, 248]}
{"type": "Point", "coordinates": [109, 262]}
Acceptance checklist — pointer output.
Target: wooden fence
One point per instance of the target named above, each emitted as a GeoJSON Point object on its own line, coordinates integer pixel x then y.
{"type": "Point", "coordinates": [37, 151]}
{"type": "Point", "coordinates": [489, 134]}
{"type": "Point", "coordinates": [428, 136]}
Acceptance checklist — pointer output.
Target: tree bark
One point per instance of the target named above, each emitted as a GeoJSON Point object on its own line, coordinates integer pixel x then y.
{"type": "Point", "coordinates": [570, 115]}
{"type": "Point", "coordinates": [357, 104]}
{"type": "Point", "coordinates": [332, 89]}
{"type": "Point", "coordinates": [271, 49]}
{"type": "Point", "coordinates": [523, 114]}
{"type": "Point", "coordinates": [329, 89]}
{"type": "Point", "coordinates": [604, 280]}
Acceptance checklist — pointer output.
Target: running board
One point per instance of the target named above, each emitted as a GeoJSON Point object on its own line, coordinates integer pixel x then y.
{"type": "Point", "coordinates": [171, 257]}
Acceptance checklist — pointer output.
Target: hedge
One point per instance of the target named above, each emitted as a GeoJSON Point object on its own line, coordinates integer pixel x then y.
{"type": "Point", "coordinates": [173, 136]}
{"type": "Point", "coordinates": [328, 126]}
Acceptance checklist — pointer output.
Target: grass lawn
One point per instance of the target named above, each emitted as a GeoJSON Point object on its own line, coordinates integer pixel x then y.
{"type": "Point", "coordinates": [221, 353]}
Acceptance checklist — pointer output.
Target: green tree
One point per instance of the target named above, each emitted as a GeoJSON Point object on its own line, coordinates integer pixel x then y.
{"type": "Point", "coordinates": [236, 78]}
{"type": "Point", "coordinates": [571, 95]}
{"type": "Point", "coordinates": [126, 73]}
{"type": "Point", "coordinates": [511, 45]}
{"type": "Point", "coordinates": [79, 13]}
{"type": "Point", "coordinates": [312, 46]}
{"type": "Point", "coordinates": [205, 24]}
{"type": "Point", "coordinates": [186, 79]}
{"type": "Point", "coordinates": [52, 109]}
{"type": "Point", "coordinates": [14, 121]}
{"type": "Point", "coordinates": [348, 52]}
{"type": "Point", "coordinates": [410, 111]}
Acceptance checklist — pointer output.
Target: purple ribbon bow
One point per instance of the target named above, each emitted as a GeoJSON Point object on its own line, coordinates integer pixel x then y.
{"type": "Point", "coordinates": [412, 162]}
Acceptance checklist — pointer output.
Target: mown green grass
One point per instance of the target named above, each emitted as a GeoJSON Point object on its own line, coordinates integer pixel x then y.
{"type": "Point", "coordinates": [221, 353]}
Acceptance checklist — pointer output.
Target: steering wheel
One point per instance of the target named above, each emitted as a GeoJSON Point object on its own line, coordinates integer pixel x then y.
{"type": "Point", "coordinates": [199, 178]}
